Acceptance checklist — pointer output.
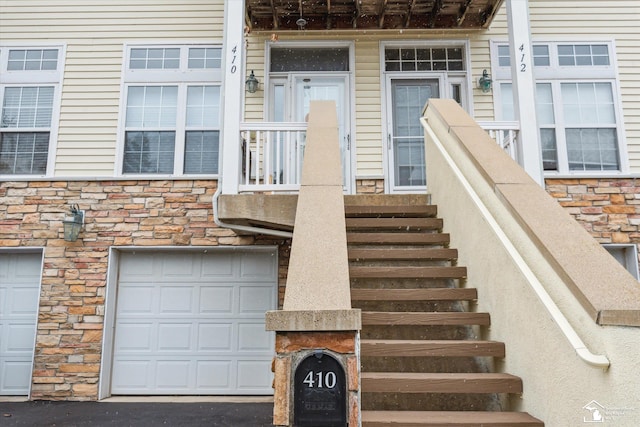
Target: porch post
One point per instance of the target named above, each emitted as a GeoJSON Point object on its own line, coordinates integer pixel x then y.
{"type": "Point", "coordinates": [232, 95]}
{"type": "Point", "coordinates": [524, 87]}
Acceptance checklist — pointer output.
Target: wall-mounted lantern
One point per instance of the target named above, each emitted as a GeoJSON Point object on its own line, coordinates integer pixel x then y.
{"type": "Point", "coordinates": [73, 224]}
{"type": "Point", "coordinates": [484, 82]}
{"type": "Point", "coordinates": [252, 83]}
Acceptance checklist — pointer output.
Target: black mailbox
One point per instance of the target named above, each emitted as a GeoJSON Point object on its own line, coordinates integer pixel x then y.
{"type": "Point", "coordinates": [320, 392]}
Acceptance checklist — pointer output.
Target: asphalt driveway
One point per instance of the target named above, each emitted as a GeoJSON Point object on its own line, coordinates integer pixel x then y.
{"type": "Point", "coordinates": [96, 414]}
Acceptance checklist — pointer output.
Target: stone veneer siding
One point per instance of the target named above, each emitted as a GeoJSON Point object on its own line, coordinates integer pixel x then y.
{"type": "Point", "coordinates": [167, 213]}
{"type": "Point", "coordinates": [608, 208]}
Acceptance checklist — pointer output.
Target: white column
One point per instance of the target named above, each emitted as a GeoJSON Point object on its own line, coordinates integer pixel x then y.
{"type": "Point", "coordinates": [232, 94]}
{"type": "Point", "coordinates": [530, 155]}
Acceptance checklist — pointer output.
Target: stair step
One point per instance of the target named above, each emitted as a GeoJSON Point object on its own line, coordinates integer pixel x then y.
{"type": "Point", "coordinates": [431, 348]}
{"type": "Point", "coordinates": [448, 419]}
{"type": "Point", "coordinates": [422, 318]}
{"type": "Point", "coordinates": [398, 238]}
{"type": "Point", "coordinates": [399, 254]}
{"type": "Point", "coordinates": [414, 224]}
{"type": "Point", "coordinates": [431, 294]}
{"type": "Point", "coordinates": [430, 272]}
{"type": "Point", "coordinates": [391, 210]}
{"type": "Point", "coordinates": [401, 382]}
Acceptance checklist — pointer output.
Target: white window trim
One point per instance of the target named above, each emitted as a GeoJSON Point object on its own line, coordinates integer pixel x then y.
{"type": "Point", "coordinates": [37, 78]}
{"type": "Point", "coordinates": [182, 78]}
{"type": "Point", "coordinates": [556, 74]}
{"type": "Point", "coordinates": [446, 78]}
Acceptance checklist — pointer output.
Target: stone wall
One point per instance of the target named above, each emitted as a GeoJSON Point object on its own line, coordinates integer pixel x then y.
{"type": "Point", "coordinates": [117, 213]}
{"type": "Point", "coordinates": [609, 209]}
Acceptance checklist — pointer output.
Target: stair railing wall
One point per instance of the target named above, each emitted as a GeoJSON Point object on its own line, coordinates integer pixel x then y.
{"type": "Point", "coordinates": [547, 319]}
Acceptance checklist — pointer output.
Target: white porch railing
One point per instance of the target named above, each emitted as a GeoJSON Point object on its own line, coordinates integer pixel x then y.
{"type": "Point", "coordinates": [506, 135]}
{"type": "Point", "coordinates": [271, 156]}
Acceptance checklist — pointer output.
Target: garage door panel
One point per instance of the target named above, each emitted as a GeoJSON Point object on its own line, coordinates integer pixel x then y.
{"type": "Point", "coordinates": [196, 327]}
{"type": "Point", "coordinates": [19, 295]}
{"type": "Point", "coordinates": [13, 372]}
{"type": "Point", "coordinates": [218, 265]}
{"type": "Point", "coordinates": [175, 336]}
{"type": "Point", "coordinates": [255, 299]}
{"type": "Point", "coordinates": [178, 265]}
{"type": "Point", "coordinates": [137, 265]}
{"type": "Point", "coordinates": [215, 337]}
{"type": "Point", "coordinates": [134, 299]}
{"type": "Point", "coordinates": [173, 375]}
{"type": "Point", "coordinates": [177, 299]}
{"type": "Point", "coordinates": [253, 375]}
{"type": "Point", "coordinates": [132, 375]}
{"type": "Point", "coordinates": [216, 299]}
{"type": "Point", "coordinates": [213, 374]}
{"type": "Point", "coordinates": [260, 266]}
{"type": "Point", "coordinates": [134, 336]}
{"type": "Point", "coordinates": [19, 338]}
{"type": "Point", "coordinates": [251, 337]}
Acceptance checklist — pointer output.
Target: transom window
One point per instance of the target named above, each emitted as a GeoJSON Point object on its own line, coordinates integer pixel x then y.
{"type": "Point", "coordinates": [32, 59]}
{"type": "Point", "coordinates": [577, 105]}
{"type": "Point", "coordinates": [172, 120]}
{"type": "Point", "coordinates": [29, 85]}
{"type": "Point", "coordinates": [423, 59]}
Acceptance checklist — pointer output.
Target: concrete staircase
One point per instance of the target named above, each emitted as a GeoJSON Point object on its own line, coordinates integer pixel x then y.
{"type": "Point", "coordinates": [422, 364]}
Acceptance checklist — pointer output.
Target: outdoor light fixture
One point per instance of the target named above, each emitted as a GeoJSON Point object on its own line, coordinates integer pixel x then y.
{"type": "Point", "coordinates": [484, 82]}
{"type": "Point", "coordinates": [252, 83]}
{"type": "Point", "coordinates": [73, 224]}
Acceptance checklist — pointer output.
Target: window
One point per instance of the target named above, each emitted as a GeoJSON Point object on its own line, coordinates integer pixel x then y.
{"type": "Point", "coordinates": [423, 59]}
{"type": "Point", "coordinates": [29, 86]}
{"type": "Point", "coordinates": [172, 110]}
{"type": "Point", "coordinates": [577, 105]}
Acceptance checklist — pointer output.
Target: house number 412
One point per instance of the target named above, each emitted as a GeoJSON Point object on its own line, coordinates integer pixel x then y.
{"type": "Point", "coordinates": [320, 379]}
{"type": "Point", "coordinates": [523, 64]}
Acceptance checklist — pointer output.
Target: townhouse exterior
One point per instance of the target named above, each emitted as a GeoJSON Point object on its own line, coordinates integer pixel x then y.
{"type": "Point", "coordinates": [120, 108]}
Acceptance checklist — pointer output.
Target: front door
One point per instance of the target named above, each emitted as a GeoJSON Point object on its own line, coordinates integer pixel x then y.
{"type": "Point", "coordinates": [406, 159]}
{"type": "Point", "coordinates": [290, 99]}
{"type": "Point", "coordinates": [309, 88]}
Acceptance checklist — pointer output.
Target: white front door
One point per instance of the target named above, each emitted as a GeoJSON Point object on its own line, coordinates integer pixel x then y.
{"type": "Point", "coordinates": [307, 88]}
{"type": "Point", "coordinates": [406, 98]}
{"type": "Point", "coordinates": [193, 322]}
{"type": "Point", "coordinates": [290, 99]}
{"type": "Point", "coordinates": [19, 284]}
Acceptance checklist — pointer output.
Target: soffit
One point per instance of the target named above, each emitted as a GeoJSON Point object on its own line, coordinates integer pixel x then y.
{"type": "Point", "coordinates": [266, 15]}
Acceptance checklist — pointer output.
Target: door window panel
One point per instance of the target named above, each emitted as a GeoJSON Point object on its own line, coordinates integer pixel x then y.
{"type": "Point", "coordinates": [408, 99]}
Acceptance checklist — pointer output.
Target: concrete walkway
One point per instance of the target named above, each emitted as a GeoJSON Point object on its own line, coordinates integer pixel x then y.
{"type": "Point", "coordinates": [134, 414]}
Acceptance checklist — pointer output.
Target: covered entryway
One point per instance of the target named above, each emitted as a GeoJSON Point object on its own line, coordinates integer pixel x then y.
{"type": "Point", "coordinates": [193, 322]}
{"type": "Point", "coordinates": [19, 288]}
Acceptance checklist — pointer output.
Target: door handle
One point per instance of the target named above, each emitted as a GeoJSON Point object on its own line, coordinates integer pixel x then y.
{"type": "Point", "coordinates": [388, 141]}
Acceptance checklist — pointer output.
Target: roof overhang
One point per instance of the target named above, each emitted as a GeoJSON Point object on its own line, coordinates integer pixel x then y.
{"type": "Point", "coordinates": [271, 15]}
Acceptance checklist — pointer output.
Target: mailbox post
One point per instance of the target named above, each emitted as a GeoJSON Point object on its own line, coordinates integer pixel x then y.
{"type": "Point", "coordinates": [320, 392]}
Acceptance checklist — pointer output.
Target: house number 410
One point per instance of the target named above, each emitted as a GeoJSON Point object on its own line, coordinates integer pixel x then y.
{"type": "Point", "coordinates": [320, 379]}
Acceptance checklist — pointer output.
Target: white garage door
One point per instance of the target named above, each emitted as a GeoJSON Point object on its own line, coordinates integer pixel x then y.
{"type": "Point", "coordinates": [193, 323]}
{"type": "Point", "coordinates": [19, 285]}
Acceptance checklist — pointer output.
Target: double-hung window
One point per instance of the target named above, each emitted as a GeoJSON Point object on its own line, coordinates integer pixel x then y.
{"type": "Point", "coordinates": [577, 103]}
{"type": "Point", "coordinates": [171, 110]}
{"type": "Point", "coordinates": [30, 80]}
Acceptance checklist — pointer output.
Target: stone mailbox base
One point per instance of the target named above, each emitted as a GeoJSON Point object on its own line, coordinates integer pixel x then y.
{"type": "Point", "coordinates": [294, 347]}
